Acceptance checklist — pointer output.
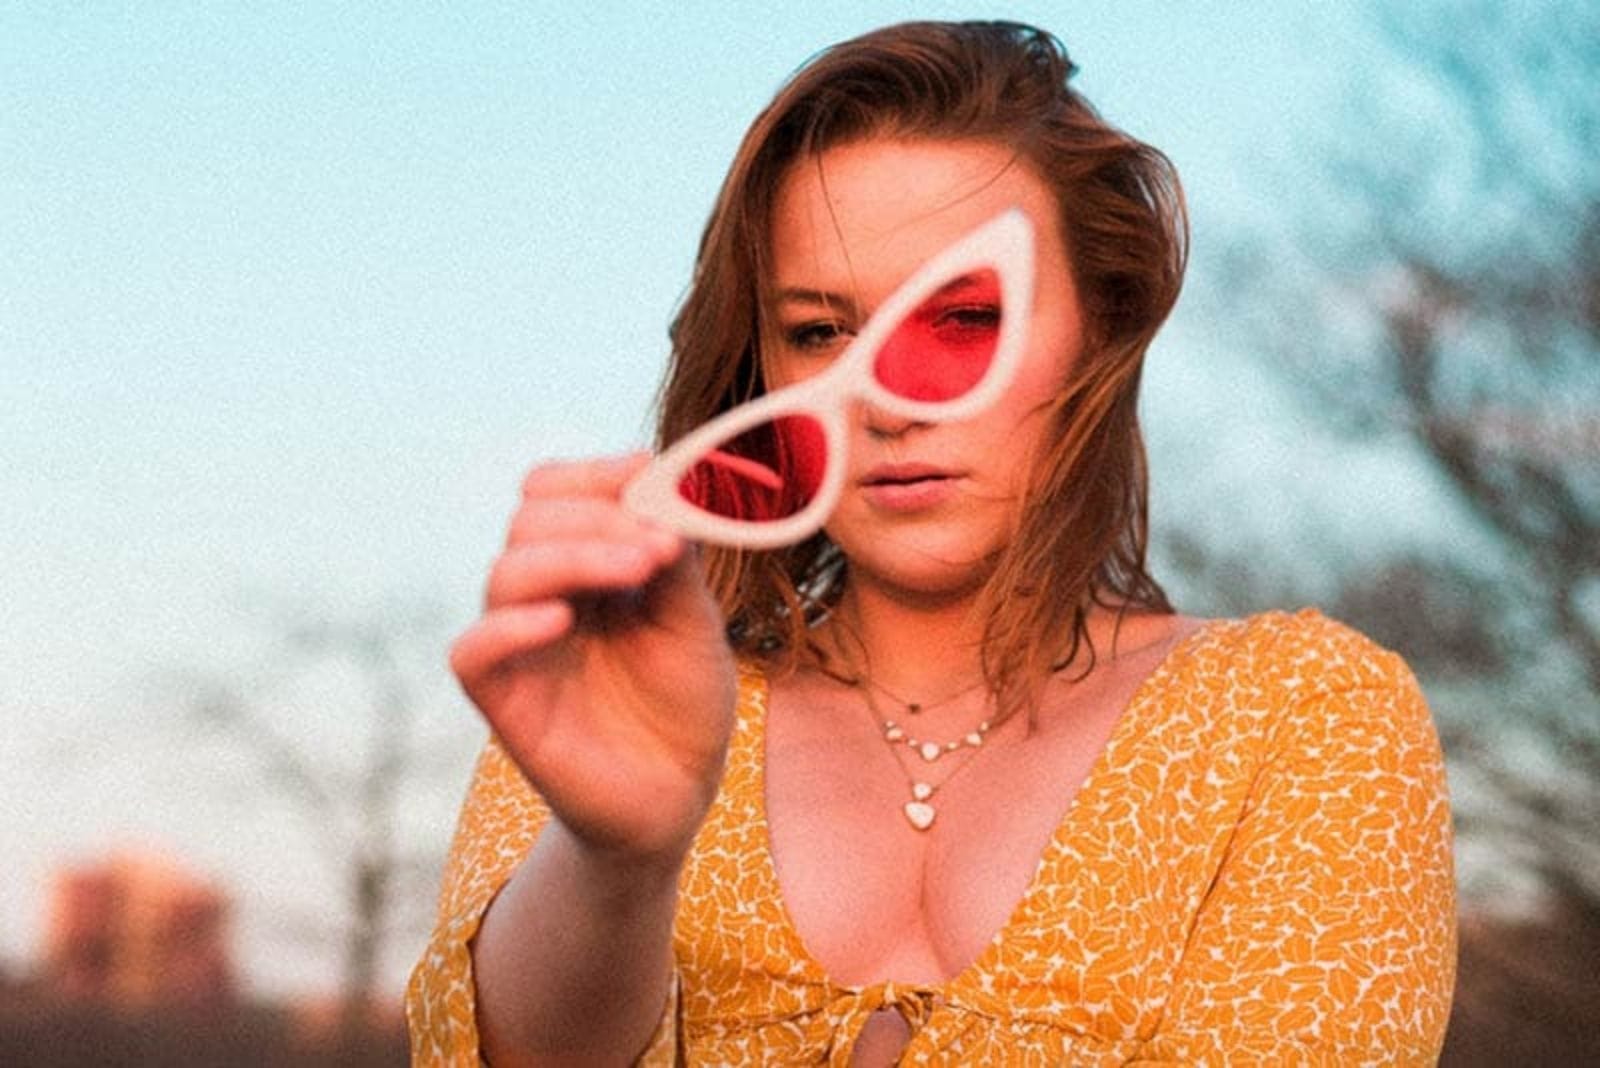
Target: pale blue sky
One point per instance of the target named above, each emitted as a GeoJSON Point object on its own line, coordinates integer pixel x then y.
{"type": "Point", "coordinates": [290, 298]}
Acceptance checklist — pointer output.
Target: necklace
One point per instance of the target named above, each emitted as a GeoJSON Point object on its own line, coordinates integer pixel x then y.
{"type": "Point", "coordinates": [914, 707]}
{"type": "Point", "coordinates": [919, 811]}
{"type": "Point", "coordinates": [895, 734]}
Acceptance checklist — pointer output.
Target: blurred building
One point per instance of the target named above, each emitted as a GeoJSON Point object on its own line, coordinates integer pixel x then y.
{"type": "Point", "coordinates": [137, 931]}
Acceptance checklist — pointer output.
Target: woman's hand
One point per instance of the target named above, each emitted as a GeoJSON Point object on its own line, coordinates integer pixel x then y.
{"type": "Point", "coordinates": [601, 663]}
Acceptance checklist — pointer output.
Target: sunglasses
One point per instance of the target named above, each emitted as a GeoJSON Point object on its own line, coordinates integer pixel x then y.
{"type": "Point", "coordinates": [942, 347]}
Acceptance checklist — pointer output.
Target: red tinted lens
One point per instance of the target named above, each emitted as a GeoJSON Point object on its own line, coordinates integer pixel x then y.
{"type": "Point", "coordinates": [942, 349]}
{"type": "Point", "coordinates": [769, 472]}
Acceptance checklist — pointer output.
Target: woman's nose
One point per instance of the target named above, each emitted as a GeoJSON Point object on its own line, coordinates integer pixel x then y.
{"type": "Point", "coordinates": [884, 425]}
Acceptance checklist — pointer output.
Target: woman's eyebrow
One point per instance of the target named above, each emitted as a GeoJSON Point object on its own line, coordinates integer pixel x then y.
{"type": "Point", "coordinates": [828, 298]}
{"type": "Point", "coordinates": [820, 297]}
{"type": "Point", "coordinates": [975, 280]}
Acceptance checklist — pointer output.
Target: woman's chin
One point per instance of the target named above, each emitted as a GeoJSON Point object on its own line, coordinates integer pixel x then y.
{"type": "Point", "coordinates": [925, 569]}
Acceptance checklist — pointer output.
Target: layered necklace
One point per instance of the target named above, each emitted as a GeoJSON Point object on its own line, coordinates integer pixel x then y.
{"type": "Point", "coordinates": [920, 811]}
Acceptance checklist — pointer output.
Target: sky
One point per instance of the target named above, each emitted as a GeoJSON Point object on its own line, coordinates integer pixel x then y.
{"type": "Point", "coordinates": [291, 296]}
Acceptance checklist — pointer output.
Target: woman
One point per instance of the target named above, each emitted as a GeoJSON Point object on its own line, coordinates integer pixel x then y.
{"type": "Point", "coordinates": [951, 781]}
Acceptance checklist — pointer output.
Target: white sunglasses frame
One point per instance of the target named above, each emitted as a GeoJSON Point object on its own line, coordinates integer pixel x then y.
{"type": "Point", "coordinates": [1004, 244]}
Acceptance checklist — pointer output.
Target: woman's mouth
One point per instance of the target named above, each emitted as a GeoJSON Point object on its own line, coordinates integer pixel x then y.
{"type": "Point", "coordinates": [908, 487]}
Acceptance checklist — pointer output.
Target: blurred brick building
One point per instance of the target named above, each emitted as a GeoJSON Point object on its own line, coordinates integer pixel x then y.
{"type": "Point", "coordinates": [136, 931]}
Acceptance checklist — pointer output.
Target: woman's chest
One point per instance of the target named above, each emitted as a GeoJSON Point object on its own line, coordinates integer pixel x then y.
{"type": "Point", "coordinates": [884, 878]}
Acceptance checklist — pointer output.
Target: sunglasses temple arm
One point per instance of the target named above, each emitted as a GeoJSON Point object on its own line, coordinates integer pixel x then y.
{"type": "Point", "coordinates": [748, 468]}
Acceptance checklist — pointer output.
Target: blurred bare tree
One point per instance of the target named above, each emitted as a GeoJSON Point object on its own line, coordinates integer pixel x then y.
{"type": "Point", "coordinates": [1447, 298]}
{"type": "Point", "coordinates": [352, 798]}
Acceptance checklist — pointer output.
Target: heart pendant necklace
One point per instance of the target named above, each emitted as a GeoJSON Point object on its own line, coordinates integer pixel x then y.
{"type": "Point", "coordinates": [920, 811]}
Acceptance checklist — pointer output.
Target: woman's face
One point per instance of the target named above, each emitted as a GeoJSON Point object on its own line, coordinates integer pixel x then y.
{"type": "Point", "coordinates": [927, 506]}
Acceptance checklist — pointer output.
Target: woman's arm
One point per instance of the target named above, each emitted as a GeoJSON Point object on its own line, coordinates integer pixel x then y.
{"type": "Point", "coordinates": [1329, 933]}
{"type": "Point", "coordinates": [574, 958]}
{"type": "Point", "coordinates": [501, 821]}
{"type": "Point", "coordinates": [601, 666]}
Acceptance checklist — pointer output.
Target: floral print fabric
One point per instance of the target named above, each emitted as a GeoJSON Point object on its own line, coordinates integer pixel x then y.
{"type": "Point", "coordinates": [1257, 870]}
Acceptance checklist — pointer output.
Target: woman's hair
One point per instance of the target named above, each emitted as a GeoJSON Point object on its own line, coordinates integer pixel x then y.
{"type": "Point", "coordinates": [1081, 538]}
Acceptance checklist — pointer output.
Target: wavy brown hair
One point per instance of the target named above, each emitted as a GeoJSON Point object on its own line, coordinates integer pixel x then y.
{"type": "Point", "coordinates": [1080, 540]}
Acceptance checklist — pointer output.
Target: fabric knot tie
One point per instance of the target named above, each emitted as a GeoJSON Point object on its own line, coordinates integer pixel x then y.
{"type": "Point", "coordinates": [850, 1011]}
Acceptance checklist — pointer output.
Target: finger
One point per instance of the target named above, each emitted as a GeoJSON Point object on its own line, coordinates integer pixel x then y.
{"type": "Point", "coordinates": [505, 634]}
{"type": "Point", "coordinates": [584, 518]}
{"type": "Point", "coordinates": [528, 573]}
{"type": "Point", "coordinates": [583, 478]}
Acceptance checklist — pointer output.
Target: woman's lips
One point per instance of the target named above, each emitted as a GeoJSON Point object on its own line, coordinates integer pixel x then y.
{"type": "Point", "coordinates": [908, 487]}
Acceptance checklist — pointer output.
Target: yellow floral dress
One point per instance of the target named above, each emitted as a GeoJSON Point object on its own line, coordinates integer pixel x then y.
{"type": "Point", "coordinates": [1257, 870]}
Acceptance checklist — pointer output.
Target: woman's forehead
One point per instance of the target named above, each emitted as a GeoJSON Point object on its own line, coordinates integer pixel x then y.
{"type": "Point", "coordinates": [864, 215]}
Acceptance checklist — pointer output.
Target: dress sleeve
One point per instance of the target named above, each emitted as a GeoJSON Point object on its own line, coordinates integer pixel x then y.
{"type": "Point", "coordinates": [499, 822]}
{"type": "Point", "coordinates": [1328, 936]}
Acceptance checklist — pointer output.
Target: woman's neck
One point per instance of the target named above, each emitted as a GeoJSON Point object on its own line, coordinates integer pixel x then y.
{"type": "Point", "coordinates": [924, 647]}
{"type": "Point", "coordinates": [920, 646]}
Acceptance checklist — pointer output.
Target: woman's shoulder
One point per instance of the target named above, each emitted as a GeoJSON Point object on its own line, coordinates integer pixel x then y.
{"type": "Point", "coordinates": [1289, 678]}
{"type": "Point", "coordinates": [1302, 651]}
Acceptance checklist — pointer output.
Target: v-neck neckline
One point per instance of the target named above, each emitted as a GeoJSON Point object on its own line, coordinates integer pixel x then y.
{"type": "Point", "coordinates": [970, 975]}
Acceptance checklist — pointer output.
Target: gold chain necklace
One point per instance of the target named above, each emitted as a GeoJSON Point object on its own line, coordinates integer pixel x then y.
{"type": "Point", "coordinates": [915, 707]}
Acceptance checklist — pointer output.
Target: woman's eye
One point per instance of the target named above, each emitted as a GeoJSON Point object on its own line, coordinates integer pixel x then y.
{"type": "Point", "coordinates": [970, 317]}
{"type": "Point", "coordinates": [815, 336]}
